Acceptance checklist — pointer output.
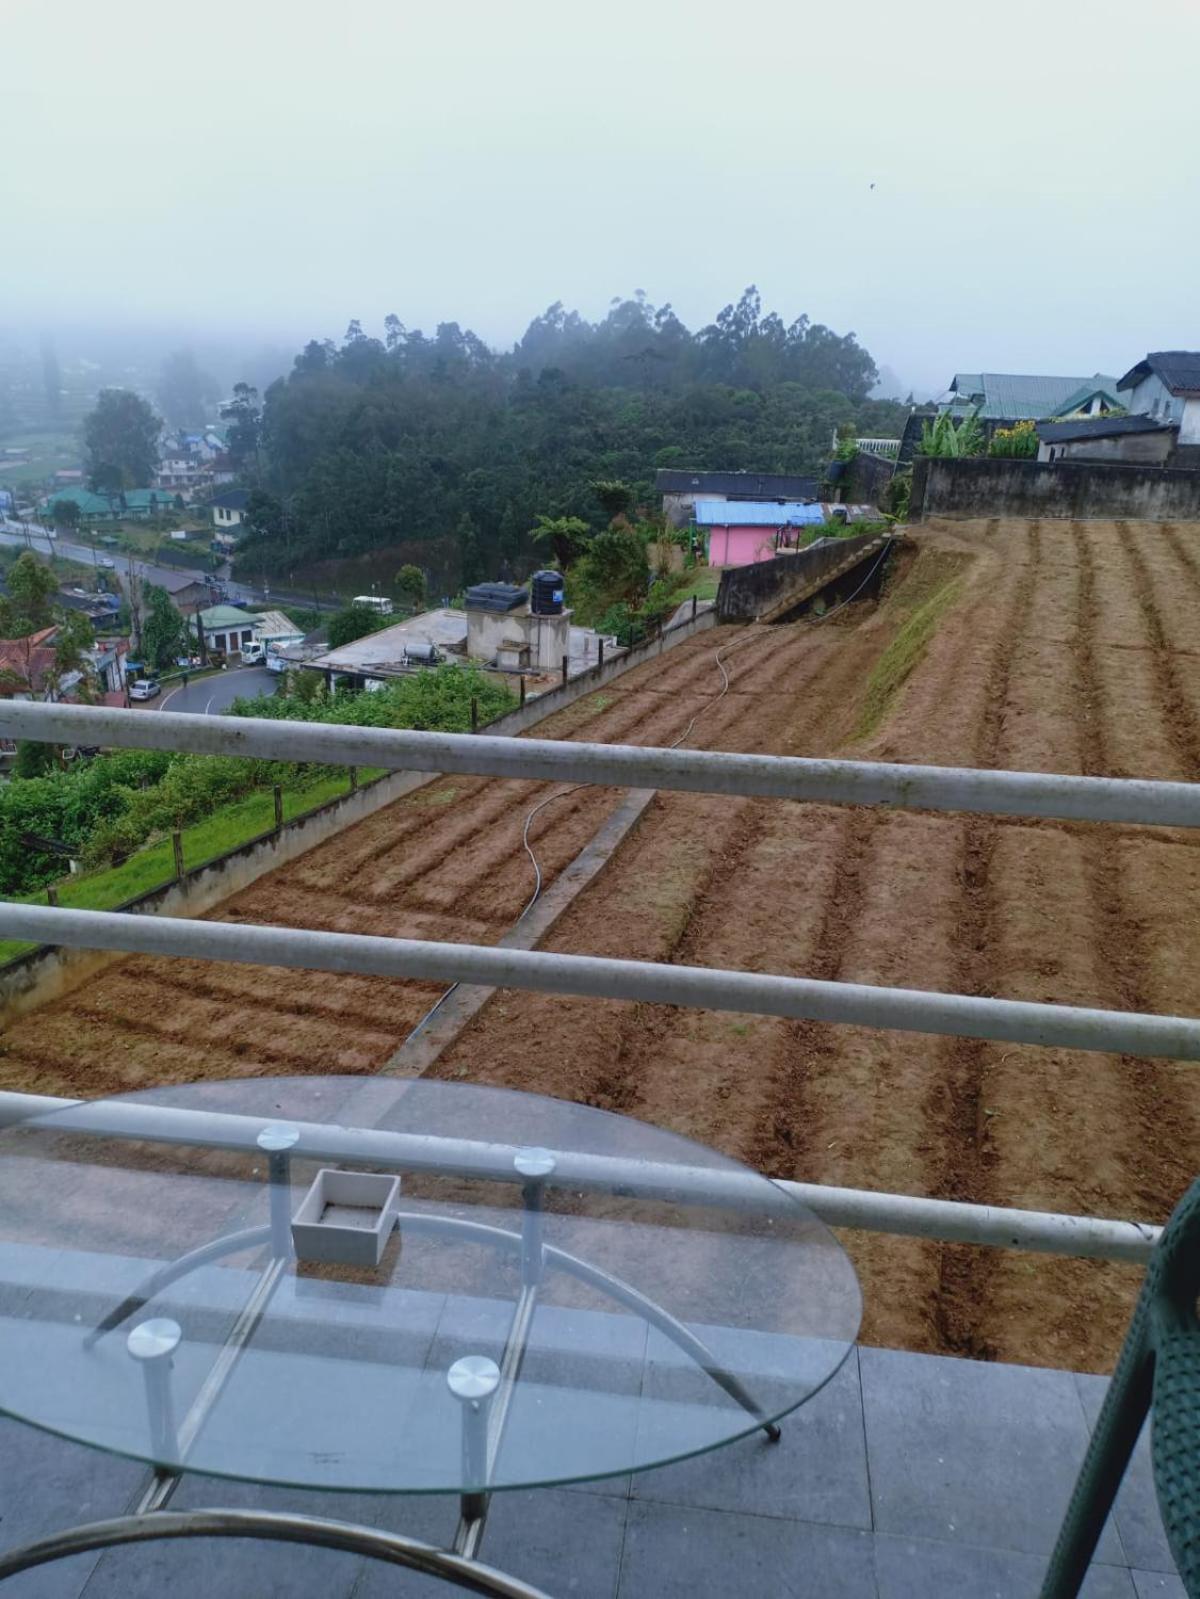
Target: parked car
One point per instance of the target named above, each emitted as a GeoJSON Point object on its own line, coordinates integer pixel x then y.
{"type": "Point", "coordinates": [146, 688]}
{"type": "Point", "coordinates": [107, 561]}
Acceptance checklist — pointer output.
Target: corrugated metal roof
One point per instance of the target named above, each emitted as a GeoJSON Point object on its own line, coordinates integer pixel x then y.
{"type": "Point", "coordinates": [756, 513]}
{"type": "Point", "coordinates": [1015, 396]}
{"type": "Point", "coordinates": [226, 616]}
{"type": "Point", "coordinates": [1179, 370]}
{"type": "Point", "coordinates": [1099, 427]}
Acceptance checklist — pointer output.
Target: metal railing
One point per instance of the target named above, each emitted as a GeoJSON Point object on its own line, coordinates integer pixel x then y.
{"type": "Point", "coordinates": [1026, 794]}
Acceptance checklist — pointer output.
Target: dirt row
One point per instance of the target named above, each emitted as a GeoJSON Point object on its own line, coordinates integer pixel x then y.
{"type": "Point", "coordinates": [1070, 648]}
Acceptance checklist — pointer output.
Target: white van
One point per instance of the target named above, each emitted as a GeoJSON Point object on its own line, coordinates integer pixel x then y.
{"type": "Point", "coordinates": [254, 653]}
{"type": "Point", "coordinates": [374, 602]}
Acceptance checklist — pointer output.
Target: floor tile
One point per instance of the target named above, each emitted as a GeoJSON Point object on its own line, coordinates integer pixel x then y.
{"type": "Point", "coordinates": [673, 1552]}
{"type": "Point", "coordinates": [970, 1452]}
{"type": "Point", "coordinates": [817, 1472]}
{"type": "Point", "coordinates": [915, 1568]}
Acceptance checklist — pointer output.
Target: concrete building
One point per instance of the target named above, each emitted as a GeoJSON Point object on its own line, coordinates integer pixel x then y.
{"type": "Point", "coordinates": [681, 489]}
{"type": "Point", "coordinates": [1137, 440]}
{"type": "Point", "coordinates": [503, 631]}
{"type": "Point", "coordinates": [1165, 385]}
{"type": "Point", "coordinates": [229, 508]}
{"type": "Point", "coordinates": [226, 628]}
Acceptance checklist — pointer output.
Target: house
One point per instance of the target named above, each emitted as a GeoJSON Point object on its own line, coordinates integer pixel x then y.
{"type": "Point", "coordinates": [92, 507]}
{"type": "Point", "coordinates": [107, 661]}
{"type": "Point", "coordinates": [273, 627]}
{"type": "Point", "coordinates": [68, 476]}
{"type": "Point", "coordinates": [188, 595]}
{"type": "Point", "coordinates": [143, 504]}
{"type": "Point", "coordinates": [27, 667]}
{"type": "Point", "coordinates": [681, 489]}
{"type": "Point", "coordinates": [229, 508]}
{"type": "Point", "coordinates": [1018, 396]}
{"type": "Point", "coordinates": [1165, 385]}
{"type": "Point", "coordinates": [226, 628]}
{"type": "Point", "coordinates": [1134, 440]}
{"type": "Point", "coordinates": [741, 532]}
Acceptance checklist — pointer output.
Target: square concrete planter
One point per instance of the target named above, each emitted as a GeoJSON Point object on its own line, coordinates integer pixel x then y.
{"type": "Point", "coordinates": [346, 1218]}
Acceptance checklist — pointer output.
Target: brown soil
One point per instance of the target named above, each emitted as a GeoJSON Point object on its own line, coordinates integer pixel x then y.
{"type": "Point", "coordinates": [1070, 648]}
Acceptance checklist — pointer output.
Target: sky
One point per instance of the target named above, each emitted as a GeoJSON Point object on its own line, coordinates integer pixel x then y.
{"type": "Point", "coordinates": [1004, 188]}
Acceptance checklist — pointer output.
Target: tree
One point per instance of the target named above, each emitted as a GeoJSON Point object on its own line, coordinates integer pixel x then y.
{"type": "Point", "coordinates": [244, 415]}
{"type": "Point", "coordinates": [568, 536]}
{"type": "Point", "coordinates": [28, 610]}
{"type": "Point", "coordinates": [410, 586]}
{"type": "Point", "coordinates": [356, 621]}
{"type": "Point", "coordinates": [27, 607]}
{"type": "Point", "coordinates": [185, 391]}
{"type": "Point", "coordinates": [614, 496]}
{"type": "Point", "coordinates": [65, 514]}
{"type": "Point", "coordinates": [164, 631]}
{"type": "Point", "coordinates": [121, 441]}
{"type": "Point", "coordinates": [615, 569]}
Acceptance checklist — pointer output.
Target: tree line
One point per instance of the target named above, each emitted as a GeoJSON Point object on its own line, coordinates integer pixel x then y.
{"type": "Point", "coordinates": [447, 452]}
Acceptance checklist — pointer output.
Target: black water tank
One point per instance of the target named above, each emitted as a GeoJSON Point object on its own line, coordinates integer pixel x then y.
{"type": "Point", "coordinates": [497, 597]}
{"type": "Point", "coordinates": [546, 593]}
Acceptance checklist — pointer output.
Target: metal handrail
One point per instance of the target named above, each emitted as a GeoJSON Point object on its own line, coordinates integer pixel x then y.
{"type": "Point", "coordinates": [938, 788]}
{"type": "Point", "coordinates": [863, 1210]}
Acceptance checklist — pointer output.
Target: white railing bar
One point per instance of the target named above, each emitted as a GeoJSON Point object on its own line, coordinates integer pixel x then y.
{"type": "Point", "coordinates": [695, 987]}
{"type": "Point", "coordinates": [938, 788]}
{"type": "Point", "coordinates": [940, 1220]}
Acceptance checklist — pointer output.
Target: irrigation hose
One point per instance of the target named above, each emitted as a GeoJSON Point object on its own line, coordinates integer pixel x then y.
{"type": "Point", "coordinates": [726, 680]}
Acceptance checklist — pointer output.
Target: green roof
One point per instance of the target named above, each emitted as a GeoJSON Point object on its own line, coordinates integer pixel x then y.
{"type": "Point", "coordinates": [219, 616]}
{"type": "Point", "coordinates": [1016, 395]}
{"type": "Point", "coordinates": [89, 504]}
{"type": "Point", "coordinates": [143, 499]}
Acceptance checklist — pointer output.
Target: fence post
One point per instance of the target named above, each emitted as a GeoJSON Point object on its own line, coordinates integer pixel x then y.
{"type": "Point", "coordinates": [278, 794]}
{"type": "Point", "coordinates": [694, 599]}
{"type": "Point", "coordinates": [566, 665]}
{"type": "Point", "coordinates": [51, 894]}
{"type": "Point", "coordinates": [353, 779]}
{"type": "Point", "coordinates": [600, 653]}
{"type": "Point", "coordinates": [522, 688]}
{"type": "Point", "coordinates": [474, 714]}
{"type": "Point", "coordinates": [177, 846]}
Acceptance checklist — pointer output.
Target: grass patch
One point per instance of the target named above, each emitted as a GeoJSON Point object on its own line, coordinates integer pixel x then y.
{"type": "Point", "coordinates": [154, 866]}
{"type": "Point", "coordinates": [902, 656]}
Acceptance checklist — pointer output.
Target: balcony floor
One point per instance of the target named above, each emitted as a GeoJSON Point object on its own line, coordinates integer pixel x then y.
{"type": "Point", "coordinates": [908, 1477]}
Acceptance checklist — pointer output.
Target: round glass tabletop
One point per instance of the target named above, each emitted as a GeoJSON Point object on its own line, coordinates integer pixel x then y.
{"type": "Point", "coordinates": [369, 1284]}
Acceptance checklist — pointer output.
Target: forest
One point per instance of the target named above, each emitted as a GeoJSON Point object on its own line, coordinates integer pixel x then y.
{"type": "Point", "coordinates": [444, 452]}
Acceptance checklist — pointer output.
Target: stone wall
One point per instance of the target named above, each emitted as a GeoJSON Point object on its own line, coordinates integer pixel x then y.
{"type": "Point", "coordinates": [990, 486]}
{"type": "Point", "coordinates": [748, 592]}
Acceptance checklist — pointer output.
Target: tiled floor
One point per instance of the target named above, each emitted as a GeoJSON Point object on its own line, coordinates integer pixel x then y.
{"type": "Point", "coordinates": [908, 1477]}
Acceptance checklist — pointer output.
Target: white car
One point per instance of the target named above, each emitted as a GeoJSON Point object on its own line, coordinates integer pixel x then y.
{"type": "Point", "coordinates": [107, 562]}
{"type": "Point", "coordinates": [146, 688]}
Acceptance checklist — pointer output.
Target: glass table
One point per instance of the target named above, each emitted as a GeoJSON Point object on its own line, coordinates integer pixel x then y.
{"type": "Point", "coordinates": [391, 1286]}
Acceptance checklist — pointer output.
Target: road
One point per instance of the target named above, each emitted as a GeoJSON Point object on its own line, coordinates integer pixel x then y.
{"type": "Point", "coordinates": [209, 696]}
{"type": "Point", "coordinates": [14, 533]}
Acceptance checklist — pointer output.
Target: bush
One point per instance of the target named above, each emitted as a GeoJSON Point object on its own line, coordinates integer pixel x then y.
{"type": "Point", "coordinates": [436, 700]}
{"type": "Point", "coordinates": [1020, 440]}
{"type": "Point", "coordinates": [356, 621]}
{"type": "Point", "coordinates": [940, 437]}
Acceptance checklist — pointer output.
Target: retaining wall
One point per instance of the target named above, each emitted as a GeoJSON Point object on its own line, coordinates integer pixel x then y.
{"type": "Point", "coordinates": [991, 486]}
{"type": "Point", "coordinates": [748, 592]}
{"type": "Point", "coordinates": [48, 972]}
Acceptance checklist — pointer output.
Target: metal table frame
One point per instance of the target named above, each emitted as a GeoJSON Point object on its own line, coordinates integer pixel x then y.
{"type": "Point", "coordinates": [483, 1388]}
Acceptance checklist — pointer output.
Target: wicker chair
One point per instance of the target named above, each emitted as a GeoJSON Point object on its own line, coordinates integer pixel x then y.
{"type": "Point", "coordinates": [1159, 1365]}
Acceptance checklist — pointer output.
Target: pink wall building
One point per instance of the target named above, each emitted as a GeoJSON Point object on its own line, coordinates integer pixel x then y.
{"type": "Point", "coordinates": [740, 546]}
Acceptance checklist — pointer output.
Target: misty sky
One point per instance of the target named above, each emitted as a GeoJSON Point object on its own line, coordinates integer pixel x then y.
{"type": "Point", "coordinates": [279, 166]}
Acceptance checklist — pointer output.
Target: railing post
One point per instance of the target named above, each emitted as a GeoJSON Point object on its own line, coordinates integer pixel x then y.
{"type": "Point", "coordinates": [177, 846]}
{"type": "Point", "coordinates": [522, 688]}
{"type": "Point", "coordinates": [695, 601]}
{"type": "Point", "coordinates": [353, 770]}
{"type": "Point", "coordinates": [51, 894]}
{"type": "Point", "coordinates": [565, 666]}
{"type": "Point", "coordinates": [474, 714]}
{"type": "Point", "coordinates": [600, 653]}
{"type": "Point", "coordinates": [278, 794]}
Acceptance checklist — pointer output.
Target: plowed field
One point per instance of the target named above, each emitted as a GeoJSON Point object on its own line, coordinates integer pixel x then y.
{"type": "Point", "coordinates": [1059, 647]}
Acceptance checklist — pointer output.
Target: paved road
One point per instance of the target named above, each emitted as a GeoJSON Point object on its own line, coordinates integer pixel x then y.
{"type": "Point", "coordinates": [13, 533]}
{"type": "Point", "coordinates": [212, 695]}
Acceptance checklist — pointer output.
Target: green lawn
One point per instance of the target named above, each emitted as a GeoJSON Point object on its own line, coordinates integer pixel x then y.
{"type": "Point", "coordinates": [203, 841]}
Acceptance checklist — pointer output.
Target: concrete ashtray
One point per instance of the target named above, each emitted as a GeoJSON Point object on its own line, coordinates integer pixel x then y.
{"type": "Point", "coordinates": [346, 1217]}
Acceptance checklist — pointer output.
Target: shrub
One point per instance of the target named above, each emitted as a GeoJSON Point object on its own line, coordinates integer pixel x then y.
{"type": "Point", "coordinates": [940, 437]}
{"type": "Point", "coordinates": [1020, 440]}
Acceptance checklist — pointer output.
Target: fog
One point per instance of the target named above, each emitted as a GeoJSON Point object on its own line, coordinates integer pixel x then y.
{"type": "Point", "coordinates": [1008, 187]}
